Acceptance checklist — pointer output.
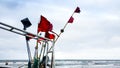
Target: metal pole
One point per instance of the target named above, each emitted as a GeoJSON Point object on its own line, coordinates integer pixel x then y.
{"type": "Point", "coordinates": [29, 54]}
{"type": "Point", "coordinates": [53, 56]}
{"type": "Point", "coordinates": [21, 32]}
{"type": "Point", "coordinates": [28, 50]}
{"type": "Point", "coordinates": [39, 57]}
{"type": "Point", "coordinates": [36, 60]}
{"type": "Point", "coordinates": [62, 30]}
{"type": "Point", "coordinates": [47, 58]}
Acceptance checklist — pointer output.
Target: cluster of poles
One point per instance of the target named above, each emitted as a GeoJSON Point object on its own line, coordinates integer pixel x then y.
{"type": "Point", "coordinates": [40, 60]}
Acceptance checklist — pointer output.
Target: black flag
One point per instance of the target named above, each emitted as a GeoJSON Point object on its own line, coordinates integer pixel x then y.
{"type": "Point", "coordinates": [26, 23]}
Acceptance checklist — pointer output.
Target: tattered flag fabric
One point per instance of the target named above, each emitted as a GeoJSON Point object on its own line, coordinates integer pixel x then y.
{"type": "Point", "coordinates": [26, 23]}
{"type": "Point", "coordinates": [44, 25]}
{"type": "Point", "coordinates": [50, 27]}
{"type": "Point", "coordinates": [49, 36]}
{"type": "Point", "coordinates": [77, 10]}
{"type": "Point", "coordinates": [71, 20]}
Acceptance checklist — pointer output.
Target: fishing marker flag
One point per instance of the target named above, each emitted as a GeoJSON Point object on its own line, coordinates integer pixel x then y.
{"type": "Point", "coordinates": [26, 23]}
{"type": "Point", "coordinates": [71, 20]}
{"type": "Point", "coordinates": [77, 10]}
{"type": "Point", "coordinates": [44, 25]}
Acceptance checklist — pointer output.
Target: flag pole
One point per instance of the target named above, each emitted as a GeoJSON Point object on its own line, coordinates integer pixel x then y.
{"type": "Point", "coordinates": [77, 10]}
{"type": "Point", "coordinates": [61, 31]}
{"type": "Point", "coordinates": [29, 53]}
{"type": "Point", "coordinates": [26, 23]}
{"type": "Point", "coordinates": [35, 64]}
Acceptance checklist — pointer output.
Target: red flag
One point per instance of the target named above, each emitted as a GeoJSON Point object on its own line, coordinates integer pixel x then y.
{"type": "Point", "coordinates": [50, 27]}
{"type": "Point", "coordinates": [44, 25]}
{"type": "Point", "coordinates": [77, 10]}
{"type": "Point", "coordinates": [50, 36]}
{"type": "Point", "coordinates": [71, 20]}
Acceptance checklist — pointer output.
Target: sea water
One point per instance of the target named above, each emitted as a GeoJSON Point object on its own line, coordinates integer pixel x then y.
{"type": "Point", "coordinates": [67, 63]}
{"type": "Point", "coordinates": [88, 64]}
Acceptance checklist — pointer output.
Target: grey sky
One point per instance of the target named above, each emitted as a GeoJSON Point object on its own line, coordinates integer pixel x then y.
{"type": "Point", "coordinates": [94, 34]}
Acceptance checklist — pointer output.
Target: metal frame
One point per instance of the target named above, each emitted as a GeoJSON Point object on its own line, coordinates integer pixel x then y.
{"type": "Point", "coordinates": [45, 47]}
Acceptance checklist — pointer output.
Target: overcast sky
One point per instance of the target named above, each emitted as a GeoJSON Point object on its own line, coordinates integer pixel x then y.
{"type": "Point", "coordinates": [94, 34]}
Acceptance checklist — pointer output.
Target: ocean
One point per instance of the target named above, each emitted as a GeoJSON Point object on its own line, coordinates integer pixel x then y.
{"type": "Point", "coordinates": [67, 63]}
